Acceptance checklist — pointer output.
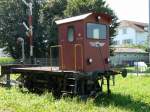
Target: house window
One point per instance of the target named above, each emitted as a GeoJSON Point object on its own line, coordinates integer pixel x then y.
{"type": "Point", "coordinates": [127, 41]}
{"type": "Point", "coordinates": [124, 30]}
{"type": "Point", "coordinates": [96, 31]}
{"type": "Point", "coordinates": [70, 33]}
{"type": "Point", "coordinates": [116, 42]}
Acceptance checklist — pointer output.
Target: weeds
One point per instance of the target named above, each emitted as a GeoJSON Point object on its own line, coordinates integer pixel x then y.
{"type": "Point", "coordinates": [131, 94]}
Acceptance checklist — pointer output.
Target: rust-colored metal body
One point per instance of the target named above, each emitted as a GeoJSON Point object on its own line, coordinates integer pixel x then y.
{"type": "Point", "coordinates": [77, 52]}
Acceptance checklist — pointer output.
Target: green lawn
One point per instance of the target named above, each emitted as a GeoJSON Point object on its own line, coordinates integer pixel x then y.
{"type": "Point", "coordinates": [134, 70]}
{"type": "Point", "coordinates": [129, 95]}
{"type": "Point", "coordinates": [6, 60]}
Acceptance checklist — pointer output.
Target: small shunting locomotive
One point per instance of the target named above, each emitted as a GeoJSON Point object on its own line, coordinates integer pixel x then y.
{"type": "Point", "coordinates": [83, 52]}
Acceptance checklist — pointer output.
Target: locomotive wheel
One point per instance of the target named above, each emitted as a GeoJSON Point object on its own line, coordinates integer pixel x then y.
{"type": "Point", "coordinates": [55, 84]}
{"type": "Point", "coordinates": [124, 73]}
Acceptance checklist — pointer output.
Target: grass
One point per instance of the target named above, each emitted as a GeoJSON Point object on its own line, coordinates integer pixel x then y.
{"type": "Point", "coordinates": [131, 94]}
{"type": "Point", "coordinates": [134, 70]}
{"type": "Point", "coordinates": [6, 60]}
{"type": "Point", "coordinates": [131, 69]}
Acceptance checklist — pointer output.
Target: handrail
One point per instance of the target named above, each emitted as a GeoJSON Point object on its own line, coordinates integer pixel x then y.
{"type": "Point", "coordinates": [62, 62]}
{"type": "Point", "coordinates": [75, 52]}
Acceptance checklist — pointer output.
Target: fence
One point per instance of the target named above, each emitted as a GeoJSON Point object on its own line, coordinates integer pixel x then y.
{"type": "Point", "coordinates": [38, 61]}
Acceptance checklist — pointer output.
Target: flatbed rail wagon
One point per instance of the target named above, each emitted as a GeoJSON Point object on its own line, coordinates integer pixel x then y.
{"type": "Point", "coordinates": [83, 52]}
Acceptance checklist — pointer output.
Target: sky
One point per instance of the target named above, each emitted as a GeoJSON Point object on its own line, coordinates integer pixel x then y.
{"type": "Point", "coordinates": [135, 10]}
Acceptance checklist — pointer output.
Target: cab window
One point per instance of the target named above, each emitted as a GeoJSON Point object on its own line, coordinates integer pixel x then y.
{"type": "Point", "coordinates": [96, 31]}
{"type": "Point", "coordinates": [70, 34]}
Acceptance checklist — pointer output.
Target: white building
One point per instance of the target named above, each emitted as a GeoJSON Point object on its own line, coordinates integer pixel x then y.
{"type": "Point", "coordinates": [2, 54]}
{"type": "Point", "coordinates": [127, 56]}
{"type": "Point", "coordinates": [131, 33]}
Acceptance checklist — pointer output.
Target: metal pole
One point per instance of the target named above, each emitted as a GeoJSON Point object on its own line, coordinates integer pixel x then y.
{"type": "Point", "coordinates": [31, 32]}
{"type": "Point", "coordinates": [149, 17]}
{"type": "Point", "coordinates": [29, 5]}
{"type": "Point", "coordinates": [149, 33]}
{"type": "Point", "coordinates": [22, 45]}
{"type": "Point", "coordinates": [23, 55]}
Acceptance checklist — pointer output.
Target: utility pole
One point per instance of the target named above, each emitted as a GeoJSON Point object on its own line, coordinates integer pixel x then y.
{"type": "Point", "coordinates": [30, 28]}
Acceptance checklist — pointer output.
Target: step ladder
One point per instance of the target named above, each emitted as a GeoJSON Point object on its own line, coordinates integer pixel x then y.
{"type": "Point", "coordinates": [70, 85]}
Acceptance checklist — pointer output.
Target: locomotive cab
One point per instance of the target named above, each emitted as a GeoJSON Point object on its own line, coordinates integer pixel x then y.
{"type": "Point", "coordinates": [84, 42]}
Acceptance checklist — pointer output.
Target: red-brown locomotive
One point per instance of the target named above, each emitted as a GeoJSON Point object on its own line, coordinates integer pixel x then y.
{"type": "Point", "coordinates": [83, 58]}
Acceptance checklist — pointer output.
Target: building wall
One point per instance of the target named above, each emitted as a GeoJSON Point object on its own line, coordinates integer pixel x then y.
{"type": "Point", "coordinates": [122, 35]}
{"type": "Point", "coordinates": [141, 37]}
{"type": "Point", "coordinates": [131, 34]}
{"type": "Point", "coordinates": [128, 58]}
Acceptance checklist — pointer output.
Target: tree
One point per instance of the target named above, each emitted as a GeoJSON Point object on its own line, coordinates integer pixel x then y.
{"type": "Point", "coordinates": [10, 25]}
{"type": "Point", "coordinates": [44, 13]}
{"type": "Point", "coordinates": [76, 7]}
{"type": "Point", "coordinates": [52, 11]}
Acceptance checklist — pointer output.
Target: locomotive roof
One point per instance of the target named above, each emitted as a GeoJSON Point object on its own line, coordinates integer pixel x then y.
{"type": "Point", "coordinates": [75, 18]}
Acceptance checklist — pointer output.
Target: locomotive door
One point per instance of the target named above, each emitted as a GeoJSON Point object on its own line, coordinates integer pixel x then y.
{"type": "Point", "coordinates": [73, 51]}
{"type": "Point", "coordinates": [78, 57]}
